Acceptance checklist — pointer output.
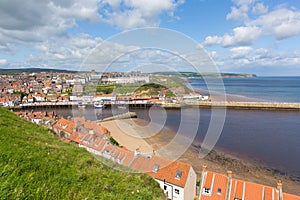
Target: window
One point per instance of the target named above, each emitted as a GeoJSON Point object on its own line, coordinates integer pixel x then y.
{"type": "Point", "coordinates": [165, 187]}
{"type": "Point", "coordinates": [237, 199]}
{"type": "Point", "coordinates": [219, 191]}
{"type": "Point", "coordinates": [206, 190]}
{"type": "Point", "coordinates": [178, 174]}
{"type": "Point", "coordinates": [176, 191]}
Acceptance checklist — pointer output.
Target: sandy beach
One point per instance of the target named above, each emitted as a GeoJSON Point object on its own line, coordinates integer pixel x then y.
{"type": "Point", "coordinates": [128, 135]}
{"type": "Point", "coordinates": [134, 133]}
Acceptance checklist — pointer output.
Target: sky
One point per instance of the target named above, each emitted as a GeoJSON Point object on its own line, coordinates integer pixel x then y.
{"type": "Point", "coordinates": [239, 36]}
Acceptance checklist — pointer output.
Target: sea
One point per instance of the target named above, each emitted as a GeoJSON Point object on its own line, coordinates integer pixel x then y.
{"type": "Point", "coordinates": [269, 138]}
{"type": "Point", "coordinates": [272, 89]}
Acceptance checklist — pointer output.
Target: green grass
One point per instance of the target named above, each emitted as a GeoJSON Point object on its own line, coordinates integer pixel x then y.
{"type": "Point", "coordinates": [35, 164]}
{"type": "Point", "coordinates": [177, 85]}
{"type": "Point", "coordinates": [99, 89]}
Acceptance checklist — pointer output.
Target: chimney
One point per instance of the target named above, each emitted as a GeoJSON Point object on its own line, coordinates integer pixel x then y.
{"type": "Point", "coordinates": [279, 187]}
{"type": "Point", "coordinates": [154, 152]}
{"type": "Point", "coordinates": [229, 185]}
{"type": "Point", "coordinates": [229, 174]}
{"type": "Point", "coordinates": [204, 167]}
{"type": "Point", "coordinates": [137, 151]}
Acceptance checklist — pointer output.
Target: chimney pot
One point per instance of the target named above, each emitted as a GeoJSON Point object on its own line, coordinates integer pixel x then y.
{"type": "Point", "coordinates": [229, 173]}
{"type": "Point", "coordinates": [204, 167]}
{"type": "Point", "coordinates": [279, 185]}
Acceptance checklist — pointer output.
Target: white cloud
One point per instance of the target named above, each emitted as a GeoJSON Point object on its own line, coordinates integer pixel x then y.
{"type": "Point", "coordinates": [282, 23]}
{"type": "Point", "coordinates": [211, 40]}
{"type": "Point", "coordinates": [63, 52]}
{"type": "Point", "coordinates": [240, 52]}
{"type": "Point", "coordinates": [242, 36]}
{"type": "Point", "coordinates": [246, 58]}
{"type": "Point", "coordinates": [260, 9]}
{"type": "Point", "coordinates": [36, 21]}
{"type": "Point", "coordinates": [243, 2]}
{"type": "Point", "coordinates": [126, 14]}
{"type": "Point", "coordinates": [3, 62]}
{"type": "Point", "coordinates": [262, 53]}
{"type": "Point", "coordinates": [238, 13]}
{"type": "Point", "coordinates": [212, 54]}
{"type": "Point", "coordinates": [240, 10]}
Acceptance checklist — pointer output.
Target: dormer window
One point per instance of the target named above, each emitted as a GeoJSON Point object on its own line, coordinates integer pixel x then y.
{"type": "Point", "coordinates": [155, 168]}
{"type": "Point", "coordinates": [178, 174]}
{"type": "Point", "coordinates": [219, 191]}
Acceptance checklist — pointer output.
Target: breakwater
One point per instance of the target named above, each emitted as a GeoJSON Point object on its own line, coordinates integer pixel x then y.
{"type": "Point", "coordinates": [240, 105]}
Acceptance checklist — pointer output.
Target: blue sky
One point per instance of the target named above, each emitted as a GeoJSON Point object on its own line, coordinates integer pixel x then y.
{"type": "Point", "coordinates": [242, 36]}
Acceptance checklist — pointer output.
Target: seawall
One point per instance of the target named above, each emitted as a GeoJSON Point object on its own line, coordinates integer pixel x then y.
{"type": "Point", "coordinates": [240, 105]}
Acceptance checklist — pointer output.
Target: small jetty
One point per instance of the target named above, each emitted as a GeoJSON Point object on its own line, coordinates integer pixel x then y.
{"type": "Point", "coordinates": [127, 115]}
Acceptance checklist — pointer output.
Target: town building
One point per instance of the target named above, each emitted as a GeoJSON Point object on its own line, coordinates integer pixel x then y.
{"type": "Point", "coordinates": [215, 186]}
{"type": "Point", "coordinates": [177, 179]}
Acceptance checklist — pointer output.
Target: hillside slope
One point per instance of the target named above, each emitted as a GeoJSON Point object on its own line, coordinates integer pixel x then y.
{"type": "Point", "coordinates": [36, 165]}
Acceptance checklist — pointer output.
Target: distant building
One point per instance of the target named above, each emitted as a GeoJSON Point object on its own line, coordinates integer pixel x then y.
{"type": "Point", "coordinates": [78, 89]}
{"type": "Point", "coordinates": [125, 78]}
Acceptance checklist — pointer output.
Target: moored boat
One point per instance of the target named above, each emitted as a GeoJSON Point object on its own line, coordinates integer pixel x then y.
{"type": "Point", "coordinates": [98, 105]}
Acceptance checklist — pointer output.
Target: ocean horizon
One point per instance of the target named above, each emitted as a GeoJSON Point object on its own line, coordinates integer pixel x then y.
{"type": "Point", "coordinates": [263, 88]}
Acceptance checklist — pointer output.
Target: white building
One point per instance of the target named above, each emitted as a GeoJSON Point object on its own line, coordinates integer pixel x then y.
{"type": "Point", "coordinates": [177, 179]}
{"type": "Point", "coordinates": [125, 78]}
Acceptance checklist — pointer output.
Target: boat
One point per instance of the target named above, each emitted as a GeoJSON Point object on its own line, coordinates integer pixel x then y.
{"type": "Point", "coordinates": [98, 105]}
{"type": "Point", "coordinates": [80, 105]}
{"type": "Point", "coordinates": [122, 107]}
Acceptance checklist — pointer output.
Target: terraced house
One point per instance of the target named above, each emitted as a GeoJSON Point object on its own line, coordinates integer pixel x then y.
{"type": "Point", "coordinates": [215, 186]}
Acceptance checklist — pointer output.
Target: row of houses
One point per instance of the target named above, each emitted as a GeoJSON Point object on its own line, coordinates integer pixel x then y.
{"type": "Point", "coordinates": [176, 179]}
{"type": "Point", "coordinates": [120, 77]}
{"type": "Point", "coordinates": [47, 119]}
{"type": "Point", "coordinates": [215, 186]}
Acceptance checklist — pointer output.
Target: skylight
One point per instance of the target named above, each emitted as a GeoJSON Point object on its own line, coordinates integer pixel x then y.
{"type": "Point", "coordinates": [155, 168]}
{"type": "Point", "coordinates": [178, 174]}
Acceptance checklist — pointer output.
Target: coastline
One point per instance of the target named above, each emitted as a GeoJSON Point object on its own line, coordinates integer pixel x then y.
{"type": "Point", "coordinates": [217, 160]}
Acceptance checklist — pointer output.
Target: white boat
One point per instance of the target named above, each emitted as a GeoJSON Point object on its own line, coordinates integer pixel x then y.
{"type": "Point", "coordinates": [122, 107]}
{"type": "Point", "coordinates": [80, 105]}
{"type": "Point", "coordinates": [98, 105]}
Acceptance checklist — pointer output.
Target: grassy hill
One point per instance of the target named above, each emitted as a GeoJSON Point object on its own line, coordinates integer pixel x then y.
{"type": "Point", "coordinates": [206, 75]}
{"type": "Point", "coordinates": [34, 164]}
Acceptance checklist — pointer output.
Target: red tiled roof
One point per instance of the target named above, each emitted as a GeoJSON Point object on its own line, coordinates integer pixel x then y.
{"type": "Point", "coordinates": [239, 189]}
{"type": "Point", "coordinates": [220, 183]}
{"type": "Point", "coordinates": [167, 169]}
{"type": "Point", "coordinates": [208, 180]}
{"type": "Point", "coordinates": [290, 197]}
{"type": "Point", "coordinates": [253, 191]}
